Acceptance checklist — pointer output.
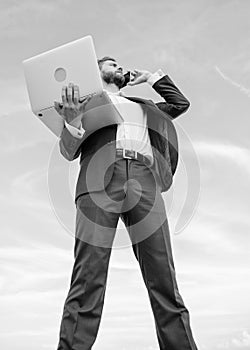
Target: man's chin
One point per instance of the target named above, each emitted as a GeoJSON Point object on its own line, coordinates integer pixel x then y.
{"type": "Point", "coordinates": [119, 80]}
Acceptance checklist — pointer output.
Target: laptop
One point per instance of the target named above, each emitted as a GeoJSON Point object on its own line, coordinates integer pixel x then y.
{"type": "Point", "coordinates": [48, 72]}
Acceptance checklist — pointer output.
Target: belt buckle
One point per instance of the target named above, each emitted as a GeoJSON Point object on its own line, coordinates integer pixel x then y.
{"type": "Point", "coordinates": [126, 156]}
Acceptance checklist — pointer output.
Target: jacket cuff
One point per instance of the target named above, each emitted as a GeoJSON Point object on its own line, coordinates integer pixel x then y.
{"type": "Point", "coordinates": [155, 77]}
{"type": "Point", "coordinates": [78, 133]}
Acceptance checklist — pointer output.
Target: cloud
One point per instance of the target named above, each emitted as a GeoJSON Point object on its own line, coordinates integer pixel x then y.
{"type": "Point", "coordinates": [26, 184]}
{"type": "Point", "coordinates": [40, 268]}
{"type": "Point", "coordinates": [242, 88]}
{"type": "Point", "coordinates": [242, 341]}
{"type": "Point", "coordinates": [187, 40]}
{"type": "Point", "coordinates": [228, 151]}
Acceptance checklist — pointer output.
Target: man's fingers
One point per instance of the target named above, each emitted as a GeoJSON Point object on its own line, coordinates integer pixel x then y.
{"type": "Point", "coordinates": [138, 77]}
{"type": "Point", "coordinates": [84, 102]}
{"type": "Point", "coordinates": [76, 94]}
{"type": "Point", "coordinates": [58, 107]}
{"type": "Point", "coordinates": [70, 93]}
{"type": "Point", "coordinates": [64, 94]}
{"type": "Point", "coordinates": [82, 99]}
{"type": "Point", "coordinates": [134, 77]}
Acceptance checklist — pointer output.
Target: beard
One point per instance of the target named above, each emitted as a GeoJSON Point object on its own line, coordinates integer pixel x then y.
{"type": "Point", "coordinates": [113, 78]}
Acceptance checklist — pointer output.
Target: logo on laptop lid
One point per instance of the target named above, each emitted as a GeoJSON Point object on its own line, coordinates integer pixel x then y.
{"type": "Point", "coordinates": [60, 74]}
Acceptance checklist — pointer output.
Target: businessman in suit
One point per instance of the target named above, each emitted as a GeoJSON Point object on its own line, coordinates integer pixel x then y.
{"type": "Point", "coordinates": [124, 168]}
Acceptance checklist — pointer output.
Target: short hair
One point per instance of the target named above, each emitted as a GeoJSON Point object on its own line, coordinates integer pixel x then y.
{"type": "Point", "coordinates": [100, 61]}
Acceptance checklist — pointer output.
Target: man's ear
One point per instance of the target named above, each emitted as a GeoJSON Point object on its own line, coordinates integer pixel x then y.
{"type": "Point", "coordinates": [127, 79]}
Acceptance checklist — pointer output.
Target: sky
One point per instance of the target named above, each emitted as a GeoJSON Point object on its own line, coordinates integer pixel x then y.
{"type": "Point", "coordinates": [204, 46]}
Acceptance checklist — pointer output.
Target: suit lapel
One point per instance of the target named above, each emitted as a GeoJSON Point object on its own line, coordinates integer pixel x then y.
{"type": "Point", "coordinates": [152, 106]}
{"type": "Point", "coordinates": [160, 122]}
{"type": "Point", "coordinates": [157, 124]}
{"type": "Point", "coordinates": [140, 100]}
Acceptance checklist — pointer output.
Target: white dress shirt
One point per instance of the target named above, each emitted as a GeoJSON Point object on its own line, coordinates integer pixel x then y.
{"type": "Point", "coordinates": [132, 134]}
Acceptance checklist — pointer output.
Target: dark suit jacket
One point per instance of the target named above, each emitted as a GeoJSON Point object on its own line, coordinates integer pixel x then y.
{"type": "Point", "coordinates": [97, 149]}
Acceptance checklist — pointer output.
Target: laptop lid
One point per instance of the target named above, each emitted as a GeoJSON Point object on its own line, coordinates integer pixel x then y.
{"type": "Point", "coordinates": [46, 73]}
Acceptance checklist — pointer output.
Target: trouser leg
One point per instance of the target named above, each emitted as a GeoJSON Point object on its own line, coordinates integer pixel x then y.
{"type": "Point", "coordinates": [96, 221]}
{"type": "Point", "coordinates": [84, 303]}
{"type": "Point", "coordinates": [154, 254]}
{"type": "Point", "coordinates": [171, 316]}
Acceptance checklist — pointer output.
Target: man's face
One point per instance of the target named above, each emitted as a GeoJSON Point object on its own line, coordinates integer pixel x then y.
{"type": "Point", "coordinates": [112, 73]}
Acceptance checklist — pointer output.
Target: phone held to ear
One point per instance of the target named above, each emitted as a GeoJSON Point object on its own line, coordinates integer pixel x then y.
{"type": "Point", "coordinates": [127, 77]}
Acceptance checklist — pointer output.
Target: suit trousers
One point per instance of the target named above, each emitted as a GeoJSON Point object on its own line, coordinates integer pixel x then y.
{"type": "Point", "coordinates": [134, 195]}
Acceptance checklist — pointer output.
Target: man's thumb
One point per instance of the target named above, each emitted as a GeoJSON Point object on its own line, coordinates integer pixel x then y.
{"type": "Point", "coordinates": [57, 106]}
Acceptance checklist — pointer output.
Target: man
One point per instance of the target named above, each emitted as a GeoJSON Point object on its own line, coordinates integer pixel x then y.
{"type": "Point", "coordinates": [123, 170]}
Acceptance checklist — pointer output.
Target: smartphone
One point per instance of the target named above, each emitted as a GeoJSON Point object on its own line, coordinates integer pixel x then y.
{"type": "Point", "coordinates": [127, 77]}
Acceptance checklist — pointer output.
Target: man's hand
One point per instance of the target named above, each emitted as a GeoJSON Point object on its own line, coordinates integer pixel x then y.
{"type": "Point", "coordinates": [139, 77]}
{"type": "Point", "coordinates": [71, 108]}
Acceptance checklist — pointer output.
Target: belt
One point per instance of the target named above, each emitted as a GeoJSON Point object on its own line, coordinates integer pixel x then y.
{"type": "Point", "coordinates": [131, 154]}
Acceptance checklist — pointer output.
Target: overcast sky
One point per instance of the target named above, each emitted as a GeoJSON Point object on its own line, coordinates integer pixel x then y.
{"type": "Point", "coordinates": [204, 46]}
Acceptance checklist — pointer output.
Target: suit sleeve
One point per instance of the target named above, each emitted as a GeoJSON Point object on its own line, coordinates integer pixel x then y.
{"type": "Point", "coordinates": [70, 146]}
{"type": "Point", "coordinates": [175, 102]}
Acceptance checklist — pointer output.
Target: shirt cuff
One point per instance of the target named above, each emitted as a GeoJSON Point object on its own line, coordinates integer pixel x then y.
{"type": "Point", "coordinates": [78, 133]}
{"type": "Point", "coordinates": [155, 77]}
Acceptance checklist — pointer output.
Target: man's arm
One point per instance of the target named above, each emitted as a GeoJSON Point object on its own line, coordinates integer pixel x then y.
{"type": "Point", "coordinates": [70, 142]}
{"type": "Point", "coordinates": [175, 102]}
{"type": "Point", "coordinates": [71, 109]}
